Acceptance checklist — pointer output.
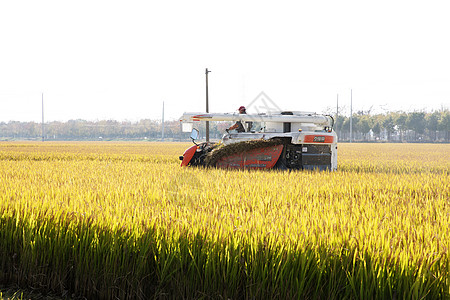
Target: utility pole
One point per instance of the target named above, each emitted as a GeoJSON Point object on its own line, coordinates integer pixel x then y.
{"type": "Point", "coordinates": [351, 114]}
{"type": "Point", "coordinates": [43, 131]}
{"type": "Point", "coordinates": [162, 124]}
{"type": "Point", "coordinates": [207, 105]}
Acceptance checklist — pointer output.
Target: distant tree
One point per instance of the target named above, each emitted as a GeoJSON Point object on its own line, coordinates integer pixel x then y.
{"type": "Point", "coordinates": [364, 126]}
{"type": "Point", "coordinates": [432, 121]}
{"type": "Point", "coordinates": [388, 125]}
{"type": "Point", "coordinates": [400, 121]}
{"type": "Point", "coordinates": [339, 123]}
{"type": "Point", "coordinates": [376, 129]}
{"type": "Point", "coordinates": [346, 125]}
{"type": "Point", "coordinates": [416, 122]}
{"type": "Point", "coordinates": [355, 125]}
{"type": "Point", "coordinates": [444, 124]}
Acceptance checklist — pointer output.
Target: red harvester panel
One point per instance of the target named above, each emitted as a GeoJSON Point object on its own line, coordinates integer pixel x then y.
{"type": "Point", "coordinates": [325, 139]}
{"type": "Point", "coordinates": [188, 154]}
{"type": "Point", "coordinates": [261, 158]}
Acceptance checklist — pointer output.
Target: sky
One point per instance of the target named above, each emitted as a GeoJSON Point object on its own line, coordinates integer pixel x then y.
{"type": "Point", "coordinates": [121, 60]}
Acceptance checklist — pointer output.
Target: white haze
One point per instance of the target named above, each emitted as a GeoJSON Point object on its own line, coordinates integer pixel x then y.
{"type": "Point", "coordinates": [121, 59]}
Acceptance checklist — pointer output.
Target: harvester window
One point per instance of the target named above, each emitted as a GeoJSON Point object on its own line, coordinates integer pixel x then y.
{"type": "Point", "coordinates": [249, 126]}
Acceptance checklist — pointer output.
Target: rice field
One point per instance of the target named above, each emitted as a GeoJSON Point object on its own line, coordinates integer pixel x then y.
{"type": "Point", "coordinates": [123, 220]}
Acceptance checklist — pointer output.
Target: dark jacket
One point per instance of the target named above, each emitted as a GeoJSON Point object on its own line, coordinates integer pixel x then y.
{"type": "Point", "coordinates": [240, 127]}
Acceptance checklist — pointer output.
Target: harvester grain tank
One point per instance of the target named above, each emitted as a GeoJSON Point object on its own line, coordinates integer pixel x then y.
{"type": "Point", "coordinates": [282, 140]}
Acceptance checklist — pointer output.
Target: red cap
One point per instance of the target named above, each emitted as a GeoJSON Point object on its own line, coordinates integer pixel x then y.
{"type": "Point", "coordinates": [242, 108]}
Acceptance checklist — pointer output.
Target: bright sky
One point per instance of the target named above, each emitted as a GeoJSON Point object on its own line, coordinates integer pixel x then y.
{"type": "Point", "coordinates": [120, 60]}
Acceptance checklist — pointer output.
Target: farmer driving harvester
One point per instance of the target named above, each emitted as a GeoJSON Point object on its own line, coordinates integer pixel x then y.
{"type": "Point", "coordinates": [238, 125]}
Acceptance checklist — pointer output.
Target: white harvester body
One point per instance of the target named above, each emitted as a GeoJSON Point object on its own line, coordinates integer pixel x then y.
{"type": "Point", "coordinates": [310, 141]}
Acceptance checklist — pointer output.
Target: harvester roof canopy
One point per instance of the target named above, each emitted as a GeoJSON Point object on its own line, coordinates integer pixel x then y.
{"type": "Point", "coordinates": [295, 117]}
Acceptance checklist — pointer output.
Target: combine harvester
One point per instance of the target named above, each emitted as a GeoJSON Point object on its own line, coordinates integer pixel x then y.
{"type": "Point", "coordinates": [285, 140]}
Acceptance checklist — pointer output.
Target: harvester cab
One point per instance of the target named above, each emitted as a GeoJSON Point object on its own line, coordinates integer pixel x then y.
{"type": "Point", "coordinates": [285, 140]}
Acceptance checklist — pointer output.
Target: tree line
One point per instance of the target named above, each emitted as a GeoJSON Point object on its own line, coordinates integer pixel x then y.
{"type": "Point", "coordinates": [390, 127]}
{"type": "Point", "coordinates": [396, 126]}
{"type": "Point", "coordinates": [103, 130]}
